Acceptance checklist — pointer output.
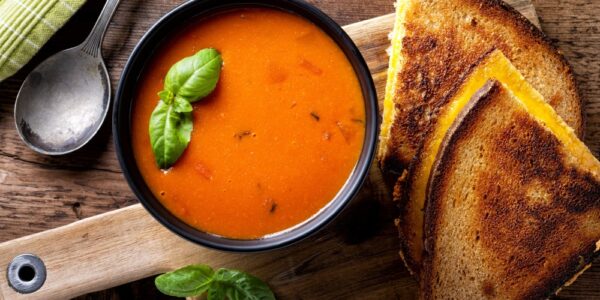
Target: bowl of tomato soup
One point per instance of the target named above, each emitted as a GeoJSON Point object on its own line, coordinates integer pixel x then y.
{"type": "Point", "coordinates": [278, 148]}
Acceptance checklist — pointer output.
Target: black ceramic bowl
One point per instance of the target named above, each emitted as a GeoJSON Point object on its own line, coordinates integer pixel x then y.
{"type": "Point", "coordinates": [125, 96]}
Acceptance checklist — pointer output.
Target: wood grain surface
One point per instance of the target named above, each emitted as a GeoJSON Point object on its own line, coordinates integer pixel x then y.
{"type": "Point", "coordinates": [39, 193]}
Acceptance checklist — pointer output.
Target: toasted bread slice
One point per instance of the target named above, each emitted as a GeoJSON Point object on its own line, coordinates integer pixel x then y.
{"type": "Point", "coordinates": [436, 42]}
{"type": "Point", "coordinates": [412, 188]}
{"type": "Point", "coordinates": [513, 209]}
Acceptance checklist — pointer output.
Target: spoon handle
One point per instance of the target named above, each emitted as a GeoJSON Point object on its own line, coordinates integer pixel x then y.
{"type": "Point", "coordinates": [93, 43]}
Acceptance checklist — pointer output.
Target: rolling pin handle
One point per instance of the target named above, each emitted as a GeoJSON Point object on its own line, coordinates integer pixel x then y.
{"type": "Point", "coordinates": [26, 273]}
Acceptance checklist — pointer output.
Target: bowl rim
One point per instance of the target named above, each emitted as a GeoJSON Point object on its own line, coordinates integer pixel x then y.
{"type": "Point", "coordinates": [123, 104]}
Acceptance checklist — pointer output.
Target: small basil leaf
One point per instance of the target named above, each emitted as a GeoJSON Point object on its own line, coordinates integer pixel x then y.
{"type": "Point", "coordinates": [194, 77]}
{"type": "Point", "coordinates": [170, 133]}
{"type": "Point", "coordinates": [186, 282]}
{"type": "Point", "coordinates": [166, 96]}
{"type": "Point", "coordinates": [182, 105]}
{"type": "Point", "coordinates": [238, 285]}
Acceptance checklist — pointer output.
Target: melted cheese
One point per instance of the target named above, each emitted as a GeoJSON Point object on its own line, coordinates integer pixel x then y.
{"type": "Point", "coordinates": [495, 66]}
{"type": "Point", "coordinates": [395, 64]}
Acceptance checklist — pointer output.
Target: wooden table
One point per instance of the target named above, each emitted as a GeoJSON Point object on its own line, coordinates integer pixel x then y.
{"type": "Point", "coordinates": [39, 192]}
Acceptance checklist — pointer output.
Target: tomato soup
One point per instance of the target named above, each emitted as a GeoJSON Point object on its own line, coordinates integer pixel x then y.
{"type": "Point", "coordinates": [275, 141]}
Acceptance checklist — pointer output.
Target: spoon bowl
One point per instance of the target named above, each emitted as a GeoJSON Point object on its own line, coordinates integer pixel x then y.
{"type": "Point", "coordinates": [64, 101]}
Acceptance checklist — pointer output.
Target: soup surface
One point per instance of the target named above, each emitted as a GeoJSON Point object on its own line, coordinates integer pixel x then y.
{"type": "Point", "coordinates": [275, 141]}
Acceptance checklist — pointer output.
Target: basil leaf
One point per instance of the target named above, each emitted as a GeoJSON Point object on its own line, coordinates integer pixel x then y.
{"type": "Point", "coordinates": [170, 133]}
{"type": "Point", "coordinates": [182, 105]}
{"type": "Point", "coordinates": [188, 80]}
{"type": "Point", "coordinates": [194, 77]}
{"type": "Point", "coordinates": [166, 96]}
{"type": "Point", "coordinates": [215, 292]}
{"type": "Point", "coordinates": [186, 282]}
{"type": "Point", "coordinates": [238, 285]}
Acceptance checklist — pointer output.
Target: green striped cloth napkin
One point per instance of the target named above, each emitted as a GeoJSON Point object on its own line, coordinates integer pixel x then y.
{"type": "Point", "coordinates": [26, 25]}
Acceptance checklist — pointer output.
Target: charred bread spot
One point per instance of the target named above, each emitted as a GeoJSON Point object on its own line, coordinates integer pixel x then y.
{"type": "Point", "coordinates": [531, 150]}
{"type": "Point", "coordinates": [555, 100]}
{"type": "Point", "coordinates": [417, 44]}
{"type": "Point", "coordinates": [488, 289]}
{"type": "Point", "coordinates": [581, 194]}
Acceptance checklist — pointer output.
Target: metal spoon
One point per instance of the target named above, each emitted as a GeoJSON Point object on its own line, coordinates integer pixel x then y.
{"type": "Point", "coordinates": [63, 102]}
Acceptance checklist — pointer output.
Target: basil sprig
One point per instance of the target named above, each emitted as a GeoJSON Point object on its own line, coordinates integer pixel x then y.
{"type": "Point", "coordinates": [188, 81]}
{"type": "Point", "coordinates": [196, 280]}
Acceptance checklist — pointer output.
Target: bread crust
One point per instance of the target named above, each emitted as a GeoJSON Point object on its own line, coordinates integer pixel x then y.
{"type": "Point", "coordinates": [522, 252]}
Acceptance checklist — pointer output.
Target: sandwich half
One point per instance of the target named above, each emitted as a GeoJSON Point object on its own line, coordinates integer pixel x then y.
{"type": "Point", "coordinates": [436, 42]}
{"type": "Point", "coordinates": [411, 189]}
{"type": "Point", "coordinates": [513, 208]}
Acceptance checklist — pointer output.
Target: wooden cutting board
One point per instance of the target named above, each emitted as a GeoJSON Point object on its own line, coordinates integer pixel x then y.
{"type": "Point", "coordinates": [355, 257]}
